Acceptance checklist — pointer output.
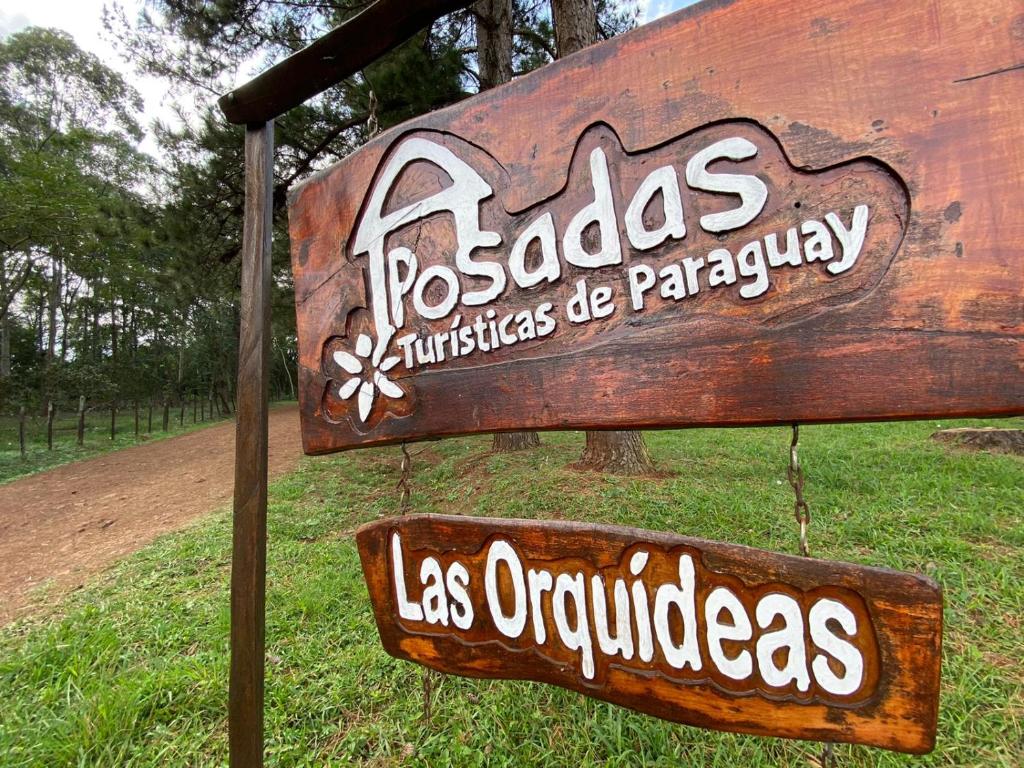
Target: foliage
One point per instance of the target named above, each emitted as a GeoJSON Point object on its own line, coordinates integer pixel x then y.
{"type": "Point", "coordinates": [110, 676]}
{"type": "Point", "coordinates": [96, 438]}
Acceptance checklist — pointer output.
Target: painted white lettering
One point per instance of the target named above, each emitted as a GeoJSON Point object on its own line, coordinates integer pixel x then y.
{"type": "Point", "coordinates": [789, 637]}
{"type": "Point", "coordinates": [737, 628]}
{"type": "Point", "coordinates": [662, 180]}
{"type": "Point", "coordinates": [641, 608]}
{"type": "Point", "coordinates": [542, 230]}
{"type": "Point", "coordinates": [752, 191]}
{"type": "Point", "coordinates": [601, 212]}
{"type": "Point", "coordinates": [841, 650]}
{"type": "Point", "coordinates": [435, 599]}
{"type": "Point", "coordinates": [457, 580]}
{"type": "Point", "coordinates": [852, 239]}
{"type": "Point", "coordinates": [502, 552]}
{"type": "Point", "coordinates": [683, 598]}
{"type": "Point", "coordinates": [723, 270]}
{"type": "Point", "coordinates": [818, 245]}
{"type": "Point", "coordinates": [672, 284]}
{"type": "Point", "coordinates": [545, 323]}
{"type": "Point", "coordinates": [750, 262]}
{"type": "Point", "coordinates": [692, 267]}
{"type": "Point", "coordinates": [400, 285]}
{"type": "Point", "coordinates": [578, 308]}
{"type": "Point", "coordinates": [574, 638]}
{"type": "Point", "coordinates": [622, 643]}
{"type": "Point", "coordinates": [447, 304]}
{"type": "Point", "coordinates": [641, 280]}
{"type": "Point", "coordinates": [601, 302]}
{"type": "Point", "coordinates": [538, 582]}
{"type": "Point", "coordinates": [792, 253]}
{"type": "Point", "coordinates": [406, 608]}
{"type": "Point", "coordinates": [462, 199]}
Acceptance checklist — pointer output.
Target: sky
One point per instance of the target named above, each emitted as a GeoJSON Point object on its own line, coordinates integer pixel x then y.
{"type": "Point", "coordinates": [83, 20]}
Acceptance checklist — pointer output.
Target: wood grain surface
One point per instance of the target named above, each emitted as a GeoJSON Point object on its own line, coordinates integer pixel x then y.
{"type": "Point", "coordinates": [911, 110]}
{"type": "Point", "coordinates": [445, 590]}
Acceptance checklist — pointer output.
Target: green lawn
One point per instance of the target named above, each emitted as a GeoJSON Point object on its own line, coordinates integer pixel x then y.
{"type": "Point", "coordinates": [97, 437]}
{"type": "Point", "coordinates": [132, 669]}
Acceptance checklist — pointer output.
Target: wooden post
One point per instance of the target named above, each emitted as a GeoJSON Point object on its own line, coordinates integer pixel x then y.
{"type": "Point", "coordinates": [167, 415]}
{"type": "Point", "coordinates": [81, 420]}
{"type": "Point", "coordinates": [113, 418]}
{"type": "Point", "coordinates": [21, 430]}
{"type": "Point", "coordinates": [49, 425]}
{"type": "Point", "coordinates": [149, 423]}
{"type": "Point", "coordinates": [181, 411]}
{"type": "Point", "coordinates": [249, 554]}
{"type": "Point", "coordinates": [194, 398]}
{"type": "Point", "coordinates": [135, 407]}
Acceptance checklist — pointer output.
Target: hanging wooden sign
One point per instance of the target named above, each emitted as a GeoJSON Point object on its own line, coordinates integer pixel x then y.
{"type": "Point", "coordinates": [708, 634]}
{"type": "Point", "coordinates": [707, 221]}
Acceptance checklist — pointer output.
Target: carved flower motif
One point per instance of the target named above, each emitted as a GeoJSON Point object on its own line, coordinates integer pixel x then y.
{"type": "Point", "coordinates": [367, 370]}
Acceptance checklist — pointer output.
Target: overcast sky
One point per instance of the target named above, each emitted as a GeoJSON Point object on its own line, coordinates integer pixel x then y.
{"type": "Point", "coordinates": [83, 20]}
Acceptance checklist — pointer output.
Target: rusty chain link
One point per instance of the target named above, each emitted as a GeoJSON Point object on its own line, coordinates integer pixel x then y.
{"type": "Point", "coordinates": [795, 475]}
{"type": "Point", "coordinates": [404, 505]}
{"type": "Point", "coordinates": [802, 513]}
{"type": "Point", "coordinates": [403, 482]}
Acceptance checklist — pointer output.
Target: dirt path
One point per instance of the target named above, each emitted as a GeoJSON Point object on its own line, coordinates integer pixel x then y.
{"type": "Point", "coordinates": [64, 524]}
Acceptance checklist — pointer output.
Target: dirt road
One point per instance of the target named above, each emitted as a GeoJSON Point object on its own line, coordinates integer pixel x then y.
{"type": "Point", "coordinates": [62, 525]}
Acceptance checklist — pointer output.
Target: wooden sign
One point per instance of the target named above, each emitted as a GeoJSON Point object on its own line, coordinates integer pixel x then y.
{"type": "Point", "coordinates": [713, 635]}
{"type": "Point", "coordinates": [735, 215]}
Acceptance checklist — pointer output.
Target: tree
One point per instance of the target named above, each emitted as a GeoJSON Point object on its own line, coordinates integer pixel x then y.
{"type": "Point", "coordinates": [494, 62]}
{"type": "Point", "coordinates": [67, 163]}
{"type": "Point", "coordinates": [619, 452]}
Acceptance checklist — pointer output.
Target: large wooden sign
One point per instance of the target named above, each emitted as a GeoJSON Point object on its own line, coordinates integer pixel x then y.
{"type": "Point", "coordinates": [708, 634]}
{"type": "Point", "coordinates": [740, 214]}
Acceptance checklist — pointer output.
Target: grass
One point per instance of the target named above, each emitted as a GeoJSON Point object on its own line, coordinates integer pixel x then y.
{"type": "Point", "coordinates": [131, 670]}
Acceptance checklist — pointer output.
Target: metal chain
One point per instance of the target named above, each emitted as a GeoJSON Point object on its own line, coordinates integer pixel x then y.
{"type": "Point", "coordinates": [403, 482]}
{"type": "Point", "coordinates": [404, 505]}
{"type": "Point", "coordinates": [372, 126]}
{"type": "Point", "coordinates": [802, 513]}
{"type": "Point", "coordinates": [795, 475]}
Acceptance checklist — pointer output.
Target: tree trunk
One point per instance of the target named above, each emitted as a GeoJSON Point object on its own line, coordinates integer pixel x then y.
{"type": "Point", "coordinates": [51, 317]}
{"type": "Point", "coordinates": [575, 25]}
{"type": "Point", "coordinates": [622, 453]}
{"type": "Point", "coordinates": [81, 420]}
{"type": "Point", "coordinates": [288, 371]}
{"type": "Point", "coordinates": [5, 348]}
{"type": "Point", "coordinates": [509, 442]}
{"type": "Point", "coordinates": [494, 62]}
{"type": "Point", "coordinates": [21, 431]}
{"type": "Point", "coordinates": [618, 453]}
{"type": "Point", "coordinates": [493, 41]}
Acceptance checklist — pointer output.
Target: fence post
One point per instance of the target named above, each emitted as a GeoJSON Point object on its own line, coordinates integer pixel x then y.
{"type": "Point", "coordinates": [81, 420]}
{"type": "Point", "coordinates": [167, 414]}
{"type": "Point", "coordinates": [149, 424]}
{"type": "Point", "coordinates": [49, 425]}
{"type": "Point", "coordinates": [113, 418]}
{"type": "Point", "coordinates": [135, 408]}
{"type": "Point", "coordinates": [181, 411]}
{"type": "Point", "coordinates": [21, 430]}
{"type": "Point", "coordinates": [193, 407]}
